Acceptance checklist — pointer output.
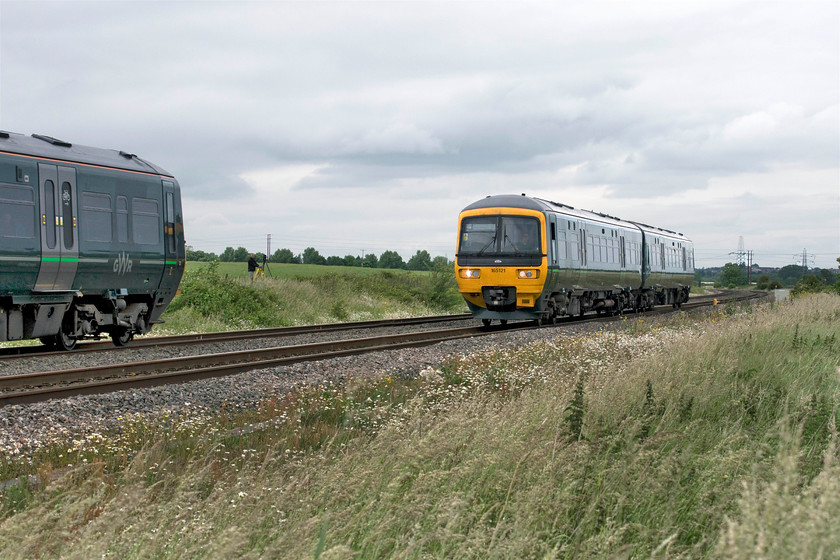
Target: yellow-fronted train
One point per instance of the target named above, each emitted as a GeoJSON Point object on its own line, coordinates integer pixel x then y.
{"type": "Point", "coordinates": [91, 241]}
{"type": "Point", "coordinates": [520, 257]}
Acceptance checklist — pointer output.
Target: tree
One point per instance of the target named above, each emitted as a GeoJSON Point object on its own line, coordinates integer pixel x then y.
{"type": "Point", "coordinates": [767, 282]}
{"type": "Point", "coordinates": [420, 261]}
{"type": "Point", "coordinates": [241, 254]}
{"type": "Point", "coordinates": [333, 260]}
{"type": "Point", "coordinates": [442, 262]}
{"type": "Point", "coordinates": [808, 285]}
{"type": "Point", "coordinates": [352, 260]}
{"type": "Point", "coordinates": [199, 256]}
{"type": "Point", "coordinates": [391, 259]}
{"type": "Point", "coordinates": [284, 256]}
{"type": "Point", "coordinates": [311, 256]}
{"type": "Point", "coordinates": [732, 275]}
{"type": "Point", "coordinates": [370, 261]}
{"type": "Point", "coordinates": [791, 274]}
{"type": "Point", "coordinates": [227, 255]}
{"type": "Point", "coordinates": [827, 276]}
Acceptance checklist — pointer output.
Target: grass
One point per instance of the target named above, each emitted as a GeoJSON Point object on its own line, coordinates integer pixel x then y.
{"type": "Point", "coordinates": [694, 436]}
{"type": "Point", "coordinates": [213, 300]}
{"type": "Point", "coordinates": [293, 271]}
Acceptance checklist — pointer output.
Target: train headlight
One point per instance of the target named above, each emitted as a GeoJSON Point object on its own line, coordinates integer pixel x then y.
{"type": "Point", "coordinates": [470, 273]}
{"type": "Point", "coordinates": [530, 274]}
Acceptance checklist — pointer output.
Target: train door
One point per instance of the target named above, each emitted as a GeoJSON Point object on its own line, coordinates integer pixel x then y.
{"type": "Point", "coordinates": [583, 259]}
{"type": "Point", "coordinates": [59, 239]}
{"type": "Point", "coordinates": [552, 240]}
{"type": "Point", "coordinates": [173, 234]}
{"type": "Point", "coordinates": [622, 255]}
{"type": "Point", "coordinates": [172, 225]}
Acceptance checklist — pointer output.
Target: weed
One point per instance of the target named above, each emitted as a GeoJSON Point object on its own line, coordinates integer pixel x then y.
{"type": "Point", "coordinates": [575, 411]}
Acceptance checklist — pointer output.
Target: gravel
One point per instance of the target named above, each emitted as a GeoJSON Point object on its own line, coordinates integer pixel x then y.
{"type": "Point", "coordinates": [25, 427]}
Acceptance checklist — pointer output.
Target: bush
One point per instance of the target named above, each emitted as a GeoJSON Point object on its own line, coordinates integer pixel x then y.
{"type": "Point", "coordinates": [808, 285]}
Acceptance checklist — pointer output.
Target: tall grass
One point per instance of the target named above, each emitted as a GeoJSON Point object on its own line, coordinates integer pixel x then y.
{"type": "Point", "coordinates": [688, 437]}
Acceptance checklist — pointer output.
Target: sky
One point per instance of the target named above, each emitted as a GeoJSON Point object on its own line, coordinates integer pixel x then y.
{"type": "Point", "coordinates": [361, 127]}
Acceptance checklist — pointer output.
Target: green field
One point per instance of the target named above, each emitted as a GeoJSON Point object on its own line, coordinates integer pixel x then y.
{"type": "Point", "coordinates": [284, 270]}
{"type": "Point", "coordinates": [219, 296]}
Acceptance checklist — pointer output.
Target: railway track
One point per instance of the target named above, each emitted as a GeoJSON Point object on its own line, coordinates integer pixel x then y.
{"type": "Point", "coordinates": [189, 339]}
{"type": "Point", "coordinates": [41, 386]}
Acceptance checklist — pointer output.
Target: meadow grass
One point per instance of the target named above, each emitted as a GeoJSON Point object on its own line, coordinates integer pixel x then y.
{"type": "Point", "coordinates": [293, 271]}
{"type": "Point", "coordinates": [211, 299]}
{"type": "Point", "coordinates": [701, 435]}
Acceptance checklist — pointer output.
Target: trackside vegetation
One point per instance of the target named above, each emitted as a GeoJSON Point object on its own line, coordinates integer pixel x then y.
{"type": "Point", "coordinates": [708, 434]}
{"type": "Point", "coordinates": [214, 296]}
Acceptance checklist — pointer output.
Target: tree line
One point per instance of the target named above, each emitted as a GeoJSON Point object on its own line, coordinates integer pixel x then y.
{"type": "Point", "coordinates": [421, 260]}
{"type": "Point", "coordinates": [791, 276]}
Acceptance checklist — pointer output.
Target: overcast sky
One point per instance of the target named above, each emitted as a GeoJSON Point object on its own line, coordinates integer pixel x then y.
{"type": "Point", "coordinates": [358, 127]}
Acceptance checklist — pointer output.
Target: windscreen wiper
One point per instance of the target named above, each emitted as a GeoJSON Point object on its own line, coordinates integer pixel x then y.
{"type": "Point", "coordinates": [491, 242]}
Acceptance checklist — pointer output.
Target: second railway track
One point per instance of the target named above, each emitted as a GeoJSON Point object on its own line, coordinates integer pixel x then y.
{"type": "Point", "coordinates": [41, 386]}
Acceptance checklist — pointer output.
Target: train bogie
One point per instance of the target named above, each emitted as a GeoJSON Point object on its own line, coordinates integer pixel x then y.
{"type": "Point", "coordinates": [92, 241]}
{"type": "Point", "coordinates": [578, 261]}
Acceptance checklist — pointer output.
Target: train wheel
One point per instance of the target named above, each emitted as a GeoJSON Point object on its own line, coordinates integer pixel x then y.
{"type": "Point", "coordinates": [122, 337]}
{"type": "Point", "coordinates": [503, 322]}
{"type": "Point", "coordinates": [61, 342]}
{"type": "Point", "coordinates": [486, 322]}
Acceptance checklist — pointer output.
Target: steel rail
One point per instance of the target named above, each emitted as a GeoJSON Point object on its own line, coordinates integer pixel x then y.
{"type": "Point", "coordinates": [227, 336]}
{"type": "Point", "coordinates": [188, 368]}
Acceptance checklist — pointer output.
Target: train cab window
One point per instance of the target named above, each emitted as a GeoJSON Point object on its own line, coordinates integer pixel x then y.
{"type": "Point", "coordinates": [145, 221]}
{"type": "Point", "coordinates": [96, 217]}
{"type": "Point", "coordinates": [67, 214]}
{"type": "Point", "coordinates": [17, 211]}
{"type": "Point", "coordinates": [122, 219]}
{"type": "Point", "coordinates": [489, 235]}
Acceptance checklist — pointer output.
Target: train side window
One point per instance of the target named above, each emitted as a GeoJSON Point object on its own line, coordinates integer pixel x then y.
{"type": "Point", "coordinates": [145, 221]}
{"type": "Point", "coordinates": [122, 219]}
{"type": "Point", "coordinates": [49, 212]}
{"type": "Point", "coordinates": [17, 211]}
{"type": "Point", "coordinates": [67, 214]}
{"type": "Point", "coordinates": [96, 217]}
{"type": "Point", "coordinates": [170, 221]}
{"type": "Point", "coordinates": [561, 246]}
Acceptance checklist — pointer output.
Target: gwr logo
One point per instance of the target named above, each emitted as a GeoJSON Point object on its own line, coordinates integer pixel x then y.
{"type": "Point", "coordinates": [122, 264]}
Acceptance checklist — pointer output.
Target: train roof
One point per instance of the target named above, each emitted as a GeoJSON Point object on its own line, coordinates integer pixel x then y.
{"type": "Point", "coordinates": [541, 205]}
{"type": "Point", "coordinates": [47, 147]}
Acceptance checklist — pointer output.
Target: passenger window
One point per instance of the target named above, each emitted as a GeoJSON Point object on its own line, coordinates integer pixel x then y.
{"type": "Point", "coordinates": [145, 221]}
{"type": "Point", "coordinates": [122, 219]}
{"type": "Point", "coordinates": [96, 217]}
{"type": "Point", "coordinates": [17, 211]}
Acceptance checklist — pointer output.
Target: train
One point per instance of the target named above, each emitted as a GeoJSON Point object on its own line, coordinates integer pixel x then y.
{"type": "Point", "coordinates": [91, 242]}
{"type": "Point", "coordinates": [521, 257]}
